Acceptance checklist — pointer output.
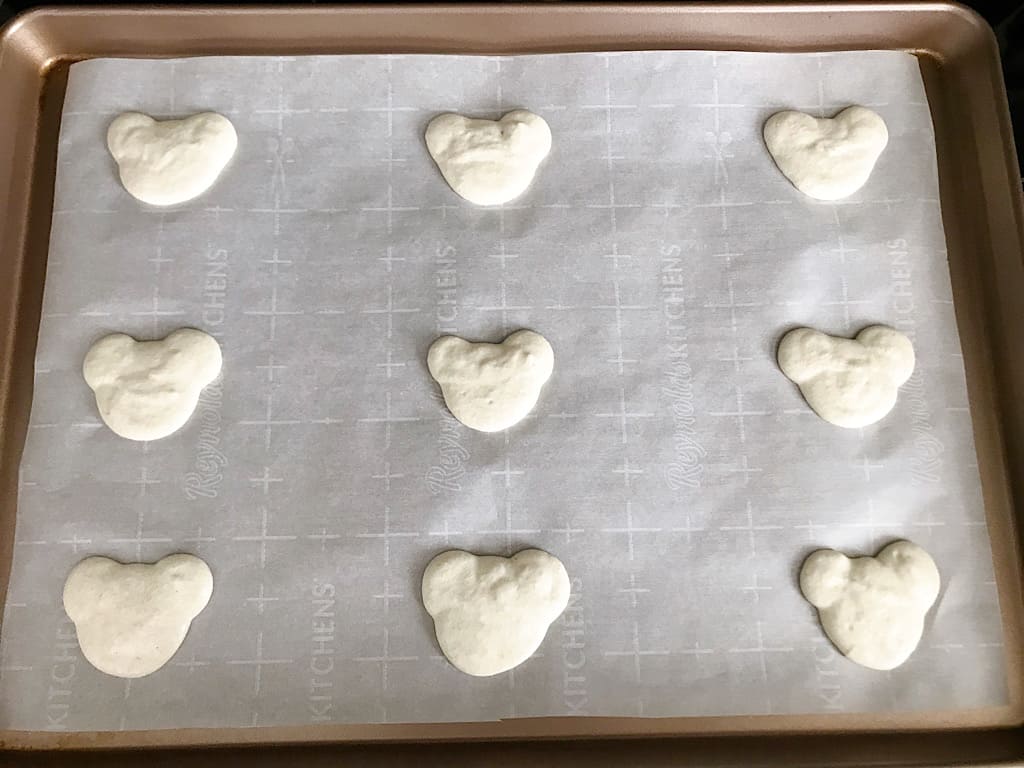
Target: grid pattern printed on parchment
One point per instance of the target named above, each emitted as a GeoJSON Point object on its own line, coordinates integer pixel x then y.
{"type": "Point", "coordinates": [676, 473]}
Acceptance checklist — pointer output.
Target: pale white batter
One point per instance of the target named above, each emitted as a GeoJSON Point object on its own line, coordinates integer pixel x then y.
{"type": "Point", "coordinates": [848, 382]}
{"type": "Point", "coordinates": [491, 613]}
{"type": "Point", "coordinates": [146, 390]}
{"type": "Point", "coordinates": [489, 162]}
{"type": "Point", "coordinates": [872, 608]}
{"type": "Point", "coordinates": [170, 161]}
{"type": "Point", "coordinates": [132, 618]}
{"type": "Point", "coordinates": [826, 158]}
{"type": "Point", "coordinates": [490, 387]}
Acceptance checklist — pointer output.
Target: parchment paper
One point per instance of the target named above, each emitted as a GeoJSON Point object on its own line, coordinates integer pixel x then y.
{"type": "Point", "coordinates": [678, 475]}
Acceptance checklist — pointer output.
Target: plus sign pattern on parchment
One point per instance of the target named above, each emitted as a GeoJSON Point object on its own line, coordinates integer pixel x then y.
{"type": "Point", "coordinates": [671, 467]}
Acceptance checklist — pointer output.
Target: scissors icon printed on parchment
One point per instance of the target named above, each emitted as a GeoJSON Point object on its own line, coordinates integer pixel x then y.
{"type": "Point", "coordinates": [720, 143]}
{"type": "Point", "coordinates": [282, 152]}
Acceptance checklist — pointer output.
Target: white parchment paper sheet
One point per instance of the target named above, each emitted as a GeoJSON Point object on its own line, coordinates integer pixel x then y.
{"type": "Point", "coordinates": [674, 470]}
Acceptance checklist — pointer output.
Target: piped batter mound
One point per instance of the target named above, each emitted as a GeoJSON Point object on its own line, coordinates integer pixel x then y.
{"type": "Point", "coordinates": [492, 613]}
{"type": "Point", "coordinates": [490, 387]}
{"type": "Point", "coordinates": [872, 608]}
{"type": "Point", "coordinates": [166, 162]}
{"type": "Point", "coordinates": [848, 382]}
{"type": "Point", "coordinates": [489, 162]}
{"type": "Point", "coordinates": [826, 158]}
{"type": "Point", "coordinates": [146, 390]}
{"type": "Point", "coordinates": [132, 618]}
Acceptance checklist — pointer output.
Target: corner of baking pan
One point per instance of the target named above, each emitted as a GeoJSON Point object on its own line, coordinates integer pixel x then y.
{"type": "Point", "coordinates": [29, 36]}
{"type": "Point", "coordinates": [964, 34]}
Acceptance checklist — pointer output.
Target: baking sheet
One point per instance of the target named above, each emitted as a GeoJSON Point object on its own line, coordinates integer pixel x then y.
{"type": "Point", "coordinates": [669, 464]}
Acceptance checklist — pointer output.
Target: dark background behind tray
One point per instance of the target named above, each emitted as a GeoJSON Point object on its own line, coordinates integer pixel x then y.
{"type": "Point", "coordinates": [1007, 18]}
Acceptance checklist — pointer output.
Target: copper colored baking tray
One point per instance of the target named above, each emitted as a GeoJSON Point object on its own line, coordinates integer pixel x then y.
{"type": "Point", "coordinates": [982, 213]}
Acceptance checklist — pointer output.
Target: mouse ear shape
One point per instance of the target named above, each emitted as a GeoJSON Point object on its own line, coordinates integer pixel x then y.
{"type": "Point", "coordinates": [440, 354]}
{"type": "Point", "coordinates": [440, 132]}
{"type": "Point", "coordinates": [83, 580]}
{"type": "Point", "coordinates": [861, 118]}
{"type": "Point", "coordinates": [547, 580]}
{"type": "Point", "coordinates": [120, 131]}
{"type": "Point", "coordinates": [188, 569]}
{"type": "Point", "coordinates": [536, 350]}
{"type": "Point", "coordinates": [105, 359]}
{"type": "Point", "coordinates": [804, 353]}
{"type": "Point", "coordinates": [916, 568]}
{"type": "Point", "coordinates": [204, 356]}
{"type": "Point", "coordinates": [530, 133]}
{"type": "Point", "coordinates": [824, 576]}
{"type": "Point", "coordinates": [892, 348]}
{"type": "Point", "coordinates": [444, 583]}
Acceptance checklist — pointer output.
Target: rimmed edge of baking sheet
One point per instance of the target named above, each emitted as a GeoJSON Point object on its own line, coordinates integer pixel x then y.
{"type": "Point", "coordinates": [981, 213]}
